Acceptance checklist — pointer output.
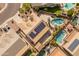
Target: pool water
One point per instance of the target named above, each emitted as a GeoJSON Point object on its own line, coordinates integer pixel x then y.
{"type": "Point", "coordinates": [69, 6]}
{"type": "Point", "coordinates": [60, 36]}
{"type": "Point", "coordinates": [57, 21]}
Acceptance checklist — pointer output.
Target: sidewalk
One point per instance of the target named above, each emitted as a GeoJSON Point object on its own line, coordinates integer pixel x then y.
{"type": "Point", "coordinates": [3, 8]}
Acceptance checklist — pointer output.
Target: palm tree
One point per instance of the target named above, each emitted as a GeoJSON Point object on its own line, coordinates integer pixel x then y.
{"type": "Point", "coordinates": [53, 42]}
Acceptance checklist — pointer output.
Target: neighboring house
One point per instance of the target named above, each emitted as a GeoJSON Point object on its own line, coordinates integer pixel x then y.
{"type": "Point", "coordinates": [73, 45]}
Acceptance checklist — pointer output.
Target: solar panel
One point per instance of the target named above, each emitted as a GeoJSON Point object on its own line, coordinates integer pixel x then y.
{"type": "Point", "coordinates": [40, 27]}
{"type": "Point", "coordinates": [32, 35]}
{"type": "Point", "coordinates": [73, 45]}
{"type": "Point", "coordinates": [44, 37]}
{"type": "Point", "coordinates": [37, 30]}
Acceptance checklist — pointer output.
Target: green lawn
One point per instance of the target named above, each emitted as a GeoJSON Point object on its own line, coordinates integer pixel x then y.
{"type": "Point", "coordinates": [56, 10]}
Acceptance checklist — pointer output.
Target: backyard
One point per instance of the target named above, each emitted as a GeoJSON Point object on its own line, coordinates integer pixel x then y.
{"type": "Point", "coordinates": [56, 10]}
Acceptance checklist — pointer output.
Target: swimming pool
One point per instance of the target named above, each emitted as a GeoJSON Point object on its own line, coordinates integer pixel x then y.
{"type": "Point", "coordinates": [69, 6]}
{"type": "Point", "coordinates": [57, 21]}
{"type": "Point", "coordinates": [60, 36]}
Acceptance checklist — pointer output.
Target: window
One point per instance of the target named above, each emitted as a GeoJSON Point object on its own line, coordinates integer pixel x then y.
{"type": "Point", "coordinates": [73, 45]}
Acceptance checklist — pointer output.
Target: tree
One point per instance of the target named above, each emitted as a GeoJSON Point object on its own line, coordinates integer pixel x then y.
{"type": "Point", "coordinates": [70, 12]}
{"type": "Point", "coordinates": [77, 4]}
{"type": "Point", "coordinates": [53, 42]}
{"type": "Point", "coordinates": [25, 7]}
{"type": "Point", "coordinates": [56, 31]}
{"type": "Point", "coordinates": [21, 10]}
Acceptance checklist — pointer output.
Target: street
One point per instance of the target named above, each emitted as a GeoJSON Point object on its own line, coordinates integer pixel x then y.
{"type": "Point", "coordinates": [10, 11]}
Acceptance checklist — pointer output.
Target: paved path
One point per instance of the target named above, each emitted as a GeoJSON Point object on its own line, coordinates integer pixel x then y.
{"type": "Point", "coordinates": [10, 11]}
